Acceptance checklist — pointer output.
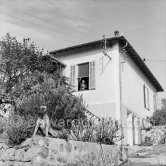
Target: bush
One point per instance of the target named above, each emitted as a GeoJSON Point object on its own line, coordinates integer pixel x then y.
{"type": "Point", "coordinates": [61, 104]}
{"type": "Point", "coordinates": [18, 129]}
{"type": "Point", "coordinates": [107, 131]}
{"type": "Point", "coordinates": [159, 116]}
{"type": "Point", "coordinates": [148, 141]}
{"type": "Point", "coordinates": [2, 125]}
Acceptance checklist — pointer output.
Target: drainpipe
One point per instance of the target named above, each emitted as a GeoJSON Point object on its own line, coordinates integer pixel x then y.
{"type": "Point", "coordinates": [120, 89]}
{"type": "Point", "coordinates": [120, 78]}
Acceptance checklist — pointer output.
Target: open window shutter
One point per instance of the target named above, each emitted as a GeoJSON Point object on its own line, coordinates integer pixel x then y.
{"type": "Point", "coordinates": [91, 75]}
{"type": "Point", "coordinates": [148, 101]}
{"type": "Point", "coordinates": [146, 97]}
{"type": "Point", "coordinates": [144, 89]}
{"type": "Point", "coordinates": [72, 75]}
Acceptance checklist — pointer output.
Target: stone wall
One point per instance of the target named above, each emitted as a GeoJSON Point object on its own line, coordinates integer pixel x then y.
{"type": "Point", "coordinates": [58, 152]}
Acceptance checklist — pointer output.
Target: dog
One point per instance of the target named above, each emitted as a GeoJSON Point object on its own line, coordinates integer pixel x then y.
{"type": "Point", "coordinates": [43, 122]}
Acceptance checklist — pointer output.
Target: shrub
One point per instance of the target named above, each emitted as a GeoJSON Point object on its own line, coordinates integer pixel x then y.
{"type": "Point", "coordinates": [2, 125]}
{"type": "Point", "coordinates": [107, 131]}
{"type": "Point", "coordinates": [148, 141]}
{"type": "Point", "coordinates": [61, 104]}
{"type": "Point", "coordinates": [18, 129]}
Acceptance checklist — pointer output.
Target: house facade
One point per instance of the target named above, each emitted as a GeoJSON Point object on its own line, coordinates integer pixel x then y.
{"type": "Point", "coordinates": [114, 82]}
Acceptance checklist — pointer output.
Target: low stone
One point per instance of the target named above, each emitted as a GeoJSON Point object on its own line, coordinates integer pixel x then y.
{"type": "Point", "coordinates": [1, 163]}
{"type": "Point", "coordinates": [54, 151]}
{"type": "Point", "coordinates": [17, 163]}
{"type": "Point", "coordinates": [44, 162]}
{"type": "Point", "coordinates": [44, 152]}
{"type": "Point", "coordinates": [68, 147]}
{"type": "Point", "coordinates": [11, 154]}
{"type": "Point", "coordinates": [43, 142]}
{"type": "Point", "coordinates": [4, 154]}
{"type": "Point", "coordinates": [8, 163]}
{"type": "Point", "coordinates": [19, 155]}
{"type": "Point", "coordinates": [62, 159]}
{"type": "Point", "coordinates": [32, 153]}
{"type": "Point", "coordinates": [27, 142]}
{"type": "Point", "coordinates": [27, 164]}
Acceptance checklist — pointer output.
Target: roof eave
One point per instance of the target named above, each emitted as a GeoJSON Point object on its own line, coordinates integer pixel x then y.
{"type": "Point", "coordinates": [139, 62]}
{"type": "Point", "coordinates": [133, 54]}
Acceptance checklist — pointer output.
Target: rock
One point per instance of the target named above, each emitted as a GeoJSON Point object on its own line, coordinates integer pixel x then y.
{"type": "Point", "coordinates": [41, 151]}
{"type": "Point", "coordinates": [27, 164]}
{"type": "Point", "coordinates": [43, 142]}
{"type": "Point", "coordinates": [32, 153]}
{"type": "Point", "coordinates": [44, 152]}
{"type": "Point", "coordinates": [19, 155]}
{"type": "Point", "coordinates": [1, 163]}
{"type": "Point", "coordinates": [8, 163]}
{"type": "Point", "coordinates": [11, 154]}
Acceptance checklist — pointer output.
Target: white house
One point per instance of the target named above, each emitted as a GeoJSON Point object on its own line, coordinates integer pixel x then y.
{"type": "Point", "coordinates": [114, 81]}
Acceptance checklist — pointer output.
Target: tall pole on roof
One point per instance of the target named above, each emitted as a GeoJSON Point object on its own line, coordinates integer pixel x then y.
{"type": "Point", "coordinates": [104, 45]}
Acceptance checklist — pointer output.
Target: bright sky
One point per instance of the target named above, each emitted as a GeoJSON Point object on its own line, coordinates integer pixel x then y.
{"type": "Point", "coordinates": [54, 24]}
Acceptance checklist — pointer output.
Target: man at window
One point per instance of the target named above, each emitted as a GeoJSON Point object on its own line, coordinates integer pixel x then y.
{"type": "Point", "coordinates": [83, 85]}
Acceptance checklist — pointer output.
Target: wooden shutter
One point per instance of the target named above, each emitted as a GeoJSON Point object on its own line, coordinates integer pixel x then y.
{"type": "Point", "coordinates": [91, 75]}
{"type": "Point", "coordinates": [155, 102]}
{"type": "Point", "coordinates": [146, 97]}
{"type": "Point", "coordinates": [73, 76]}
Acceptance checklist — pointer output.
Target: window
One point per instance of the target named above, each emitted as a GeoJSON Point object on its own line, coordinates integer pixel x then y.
{"type": "Point", "coordinates": [86, 76]}
{"type": "Point", "coordinates": [146, 98]}
{"type": "Point", "coordinates": [83, 76]}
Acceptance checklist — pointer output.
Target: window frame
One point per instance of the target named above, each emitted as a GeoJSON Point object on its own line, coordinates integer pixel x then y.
{"type": "Point", "coordinates": [89, 75]}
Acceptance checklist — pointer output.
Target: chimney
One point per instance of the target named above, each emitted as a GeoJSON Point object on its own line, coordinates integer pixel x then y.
{"type": "Point", "coordinates": [116, 33]}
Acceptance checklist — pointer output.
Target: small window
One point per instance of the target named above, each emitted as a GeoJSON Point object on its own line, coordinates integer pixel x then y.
{"type": "Point", "coordinates": [146, 98]}
{"type": "Point", "coordinates": [86, 76]}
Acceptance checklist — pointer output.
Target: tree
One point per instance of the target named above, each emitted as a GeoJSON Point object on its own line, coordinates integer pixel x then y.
{"type": "Point", "coordinates": [159, 116]}
{"type": "Point", "coordinates": [30, 79]}
{"type": "Point", "coordinates": [21, 60]}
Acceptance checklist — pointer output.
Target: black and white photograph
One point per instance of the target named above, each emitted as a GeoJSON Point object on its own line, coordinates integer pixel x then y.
{"type": "Point", "coordinates": [82, 82]}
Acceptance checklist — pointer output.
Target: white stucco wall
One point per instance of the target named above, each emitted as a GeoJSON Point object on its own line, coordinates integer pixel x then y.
{"type": "Point", "coordinates": [112, 75]}
{"type": "Point", "coordinates": [102, 100]}
{"type": "Point", "coordinates": [132, 91]}
{"type": "Point", "coordinates": [133, 81]}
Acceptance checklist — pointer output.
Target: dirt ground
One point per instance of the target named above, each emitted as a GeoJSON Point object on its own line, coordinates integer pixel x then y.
{"type": "Point", "coordinates": [154, 156]}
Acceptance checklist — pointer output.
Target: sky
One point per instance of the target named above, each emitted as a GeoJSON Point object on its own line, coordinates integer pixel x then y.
{"type": "Point", "coordinates": [55, 24]}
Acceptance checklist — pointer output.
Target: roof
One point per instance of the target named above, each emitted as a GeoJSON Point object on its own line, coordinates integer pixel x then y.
{"type": "Point", "coordinates": [55, 60]}
{"type": "Point", "coordinates": [122, 40]}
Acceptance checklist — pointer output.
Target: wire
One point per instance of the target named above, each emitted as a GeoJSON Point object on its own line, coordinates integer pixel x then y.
{"type": "Point", "coordinates": [46, 27]}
